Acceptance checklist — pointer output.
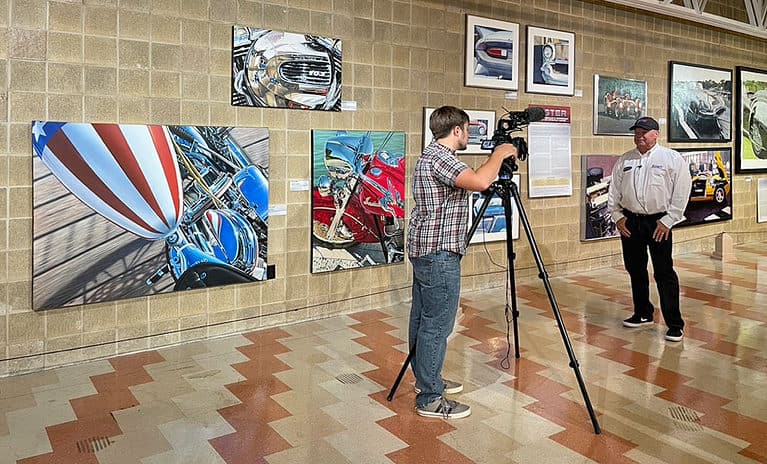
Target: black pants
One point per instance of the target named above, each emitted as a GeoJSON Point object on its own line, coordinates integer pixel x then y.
{"type": "Point", "coordinates": [635, 259]}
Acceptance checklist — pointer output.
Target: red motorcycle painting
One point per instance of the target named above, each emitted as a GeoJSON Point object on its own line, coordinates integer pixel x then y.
{"type": "Point", "coordinates": [358, 199]}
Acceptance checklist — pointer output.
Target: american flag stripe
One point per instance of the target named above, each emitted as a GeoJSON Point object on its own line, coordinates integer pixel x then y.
{"type": "Point", "coordinates": [127, 173]}
{"type": "Point", "coordinates": [115, 142]}
{"type": "Point", "coordinates": [60, 148]}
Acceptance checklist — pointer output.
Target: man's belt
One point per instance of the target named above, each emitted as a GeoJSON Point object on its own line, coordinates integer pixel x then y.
{"type": "Point", "coordinates": [654, 216]}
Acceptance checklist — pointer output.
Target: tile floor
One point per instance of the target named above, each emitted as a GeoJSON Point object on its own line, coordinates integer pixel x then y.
{"type": "Point", "coordinates": [315, 392]}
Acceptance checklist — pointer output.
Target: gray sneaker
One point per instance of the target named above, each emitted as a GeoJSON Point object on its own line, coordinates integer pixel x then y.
{"type": "Point", "coordinates": [444, 408]}
{"type": "Point", "coordinates": [450, 387]}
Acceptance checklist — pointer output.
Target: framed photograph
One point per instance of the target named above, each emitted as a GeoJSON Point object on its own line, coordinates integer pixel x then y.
{"type": "Point", "coordinates": [700, 103]}
{"type": "Point", "coordinates": [277, 69]}
{"type": "Point", "coordinates": [618, 103]}
{"type": "Point", "coordinates": [492, 53]}
{"type": "Point", "coordinates": [711, 194]}
{"type": "Point", "coordinates": [492, 225]}
{"type": "Point", "coordinates": [358, 199]}
{"type": "Point", "coordinates": [129, 210]}
{"type": "Point", "coordinates": [550, 61]}
{"type": "Point", "coordinates": [596, 220]}
{"type": "Point", "coordinates": [751, 139]}
{"type": "Point", "coordinates": [481, 127]}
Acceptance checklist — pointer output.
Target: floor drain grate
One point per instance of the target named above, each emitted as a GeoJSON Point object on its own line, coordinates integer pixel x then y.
{"type": "Point", "coordinates": [93, 444]}
{"type": "Point", "coordinates": [349, 378]}
{"type": "Point", "coordinates": [685, 419]}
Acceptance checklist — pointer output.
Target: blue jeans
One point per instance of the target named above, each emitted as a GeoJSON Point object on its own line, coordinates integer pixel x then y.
{"type": "Point", "coordinates": [436, 289]}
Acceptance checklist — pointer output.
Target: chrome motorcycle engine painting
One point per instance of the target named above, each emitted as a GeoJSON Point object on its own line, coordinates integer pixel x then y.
{"type": "Point", "coordinates": [285, 70]}
{"type": "Point", "coordinates": [126, 210]}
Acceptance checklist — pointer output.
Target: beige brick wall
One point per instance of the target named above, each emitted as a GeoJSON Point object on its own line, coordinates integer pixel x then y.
{"type": "Point", "coordinates": [168, 62]}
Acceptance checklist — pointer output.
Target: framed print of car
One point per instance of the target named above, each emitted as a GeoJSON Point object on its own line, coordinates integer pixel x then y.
{"type": "Point", "coordinates": [481, 127]}
{"type": "Point", "coordinates": [278, 69]}
{"type": "Point", "coordinates": [596, 220]}
{"type": "Point", "coordinates": [492, 226]}
{"type": "Point", "coordinates": [618, 103]}
{"type": "Point", "coordinates": [492, 53]}
{"type": "Point", "coordinates": [751, 140]}
{"type": "Point", "coordinates": [700, 103]}
{"type": "Point", "coordinates": [550, 61]}
{"type": "Point", "coordinates": [711, 193]}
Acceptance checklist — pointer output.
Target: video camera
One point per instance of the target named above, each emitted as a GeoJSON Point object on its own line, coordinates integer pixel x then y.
{"type": "Point", "coordinates": [513, 121]}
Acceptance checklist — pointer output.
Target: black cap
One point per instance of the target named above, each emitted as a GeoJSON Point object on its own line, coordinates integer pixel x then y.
{"type": "Point", "coordinates": [646, 123]}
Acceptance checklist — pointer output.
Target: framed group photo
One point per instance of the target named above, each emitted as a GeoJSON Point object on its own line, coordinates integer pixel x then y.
{"type": "Point", "coordinates": [751, 139]}
{"type": "Point", "coordinates": [700, 103]}
{"type": "Point", "coordinates": [550, 61]}
{"type": "Point", "coordinates": [481, 127]}
{"type": "Point", "coordinates": [618, 103]}
{"type": "Point", "coordinates": [492, 53]}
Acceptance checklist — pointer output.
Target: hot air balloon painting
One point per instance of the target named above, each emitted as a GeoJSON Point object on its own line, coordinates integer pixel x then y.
{"type": "Point", "coordinates": [123, 210]}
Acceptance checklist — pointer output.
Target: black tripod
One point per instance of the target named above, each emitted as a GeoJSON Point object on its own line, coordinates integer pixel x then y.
{"type": "Point", "coordinates": [506, 190]}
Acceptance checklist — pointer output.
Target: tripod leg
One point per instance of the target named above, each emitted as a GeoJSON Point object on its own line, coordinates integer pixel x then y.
{"type": "Point", "coordinates": [510, 256]}
{"type": "Point", "coordinates": [401, 373]}
{"type": "Point", "coordinates": [554, 307]}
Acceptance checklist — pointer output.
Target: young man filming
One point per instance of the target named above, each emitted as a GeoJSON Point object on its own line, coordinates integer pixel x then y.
{"type": "Point", "coordinates": [436, 243]}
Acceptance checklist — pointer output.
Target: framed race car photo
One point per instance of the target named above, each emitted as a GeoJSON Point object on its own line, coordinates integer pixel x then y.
{"type": "Point", "coordinates": [751, 134]}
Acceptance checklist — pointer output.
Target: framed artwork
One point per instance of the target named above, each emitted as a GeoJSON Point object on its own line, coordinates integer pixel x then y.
{"type": "Point", "coordinates": [492, 225]}
{"type": "Point", "coordinates": [481, 127]}
{"type": "Point", "coordinates": [596, 220]}
{"type": "Point", "coordinates": [618, 103]}
{"type": "Point", "coordinates": [358, 199]}
{"type": "Point", "coordinates": [751, 140]}
{"type": "Point", "coordinates": [126, 210]}
{"type": "Point", "coordinates": [700, 103]}
{"type": "Point", "coordinates": [492, 53]}
{"type": "Point", "coordinates": [278, 69]}
{"type": "Point", "coordinates": [550, 61]}
{"type": "Point", "coordinates": [711, 194]}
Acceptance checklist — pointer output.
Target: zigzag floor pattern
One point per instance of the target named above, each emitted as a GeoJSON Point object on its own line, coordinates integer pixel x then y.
{"type": "Point", "coordinates": [316, 392]}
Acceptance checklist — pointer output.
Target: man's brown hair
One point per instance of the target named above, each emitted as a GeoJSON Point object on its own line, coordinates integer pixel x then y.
{"type": "Point", "coordinates": [445, 118]}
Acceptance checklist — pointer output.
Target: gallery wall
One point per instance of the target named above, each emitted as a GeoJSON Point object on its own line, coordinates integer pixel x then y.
{"type": "Point", "coordinates": [168, 62]}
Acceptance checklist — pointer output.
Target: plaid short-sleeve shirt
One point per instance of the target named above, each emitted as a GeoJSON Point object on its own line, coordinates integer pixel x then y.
{"type": "Point", "coordinates": [439, 221]}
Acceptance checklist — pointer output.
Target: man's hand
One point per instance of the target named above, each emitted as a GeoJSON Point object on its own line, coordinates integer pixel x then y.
{"type": "Point", "coordinates": [661, 232]}
{"type": "Point", "coordinates": [621, 226]}
{"type": "Point", "coordinates": [506, 150]}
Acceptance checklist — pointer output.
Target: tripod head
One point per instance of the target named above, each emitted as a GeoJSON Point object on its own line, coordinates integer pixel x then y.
{"type": "Point", "coordinates": [511, 122]}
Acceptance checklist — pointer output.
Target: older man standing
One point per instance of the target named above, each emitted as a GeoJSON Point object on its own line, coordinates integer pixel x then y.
{"type": "Point", "coordinates": [649, 191]}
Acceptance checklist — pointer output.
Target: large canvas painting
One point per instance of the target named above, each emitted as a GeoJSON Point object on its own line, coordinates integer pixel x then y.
{"type": "Point", "coordinates": [751, 140]}
{"type": "Point", "coordinates": [278, 69]}
{"type": "Point", "coordinates": [596, 221]}
{"type": "Point", "coordinates": [358, 199]}
{"type": "Point", "coordinates": [492, 53]}
{"type": "Point", "coordinates": [711, 194]}
{"type": "Point", "coordinates": [492, 225]}
{"type": "Point", "coordinates": [618, 103]}
{"type": "Point", "coordinates": [123, 211]}
{"type": "Point", "coordinates": [700, 103]}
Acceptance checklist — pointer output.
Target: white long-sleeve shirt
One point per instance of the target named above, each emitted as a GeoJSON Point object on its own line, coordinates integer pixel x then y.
{"type": "Point", "coordinates": [656, 182]}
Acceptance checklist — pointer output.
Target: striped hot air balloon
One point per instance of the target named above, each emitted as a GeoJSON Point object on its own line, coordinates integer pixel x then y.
{"type": "Point", "coordinates": [126, 173]}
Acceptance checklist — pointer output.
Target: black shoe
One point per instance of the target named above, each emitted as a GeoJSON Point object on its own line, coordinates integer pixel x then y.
{"type": "Point", "coordinates": [637, 321]}
{"type": "Point", "coordinates": [674, 335]}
